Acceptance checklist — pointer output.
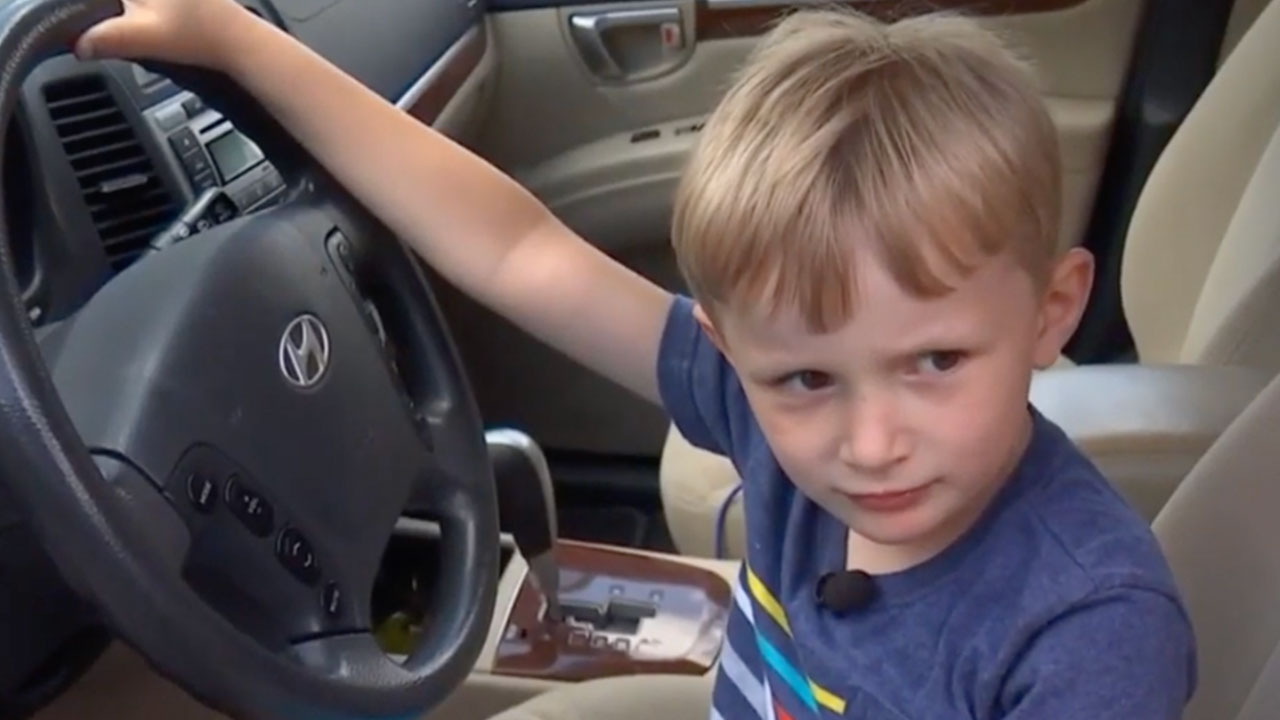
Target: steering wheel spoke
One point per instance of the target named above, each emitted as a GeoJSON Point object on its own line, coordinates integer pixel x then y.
{"type": "Point", "coordinates": [158, 523]}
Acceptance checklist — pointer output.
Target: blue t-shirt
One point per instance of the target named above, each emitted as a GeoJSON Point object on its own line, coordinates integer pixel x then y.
{"type": "Point", "coordinates": [1056, 605]}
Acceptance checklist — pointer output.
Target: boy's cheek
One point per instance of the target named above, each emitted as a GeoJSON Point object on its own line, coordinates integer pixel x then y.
{"type": "Point", "coordinates": [796, 445]}
{"type": "Point", "coordinates": [802, 444]}
{"type": "Point", "coordinates": [984, 419]}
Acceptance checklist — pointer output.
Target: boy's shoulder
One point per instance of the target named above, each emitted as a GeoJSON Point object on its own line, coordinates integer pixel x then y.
{"type": "Point", "coordinates": [1078, 580]}
{"type": "Point", "coordinates": [1062, 540]}
{"type": "Point", "coordinates": [1082, 524]}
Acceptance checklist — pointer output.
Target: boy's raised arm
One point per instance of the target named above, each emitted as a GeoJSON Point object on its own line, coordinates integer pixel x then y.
{"type": "Point", "coordinates": [473, 224]}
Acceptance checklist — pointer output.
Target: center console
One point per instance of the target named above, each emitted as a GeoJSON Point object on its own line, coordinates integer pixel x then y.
{"type": "Point", "coordinates": [574, 611]}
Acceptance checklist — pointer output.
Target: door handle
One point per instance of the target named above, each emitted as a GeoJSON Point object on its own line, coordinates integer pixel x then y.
{"type": "Point", "coordinates": [589, 30]}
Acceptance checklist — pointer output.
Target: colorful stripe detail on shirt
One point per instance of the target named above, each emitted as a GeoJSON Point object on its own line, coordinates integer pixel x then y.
{"type": "Point", "coordinates": [741, 676]}
{"type": "Point", "coordinates": [767, 601]}
{"type": "Point", "coordinates": [827, 699]}
{"type": "Point", "coordinates": [783, 668]}
{"type": "Point", "coordinates": [809, 692]}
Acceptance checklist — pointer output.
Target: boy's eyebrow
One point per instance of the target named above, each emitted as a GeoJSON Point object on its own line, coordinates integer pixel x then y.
{"type": "Point", "coordinates": [769, 375]}
{"type": "Point", "coordinates": [768, 365]}
{"type": "Point", "coordinates": [933, 336]}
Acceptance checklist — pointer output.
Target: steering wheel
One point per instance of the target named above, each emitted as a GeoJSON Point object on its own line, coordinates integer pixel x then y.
{"type": "Point", "coordinates": [215, 449]}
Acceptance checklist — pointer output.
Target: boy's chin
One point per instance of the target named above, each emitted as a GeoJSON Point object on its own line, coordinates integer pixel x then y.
{"type": "Point", "coordinates": [923, 530]}
{"type": "Point", "coordinates": [901, 531]}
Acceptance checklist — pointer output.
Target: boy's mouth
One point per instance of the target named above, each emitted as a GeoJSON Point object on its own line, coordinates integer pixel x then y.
{"type": "Point", "coordinates": [890, 501]}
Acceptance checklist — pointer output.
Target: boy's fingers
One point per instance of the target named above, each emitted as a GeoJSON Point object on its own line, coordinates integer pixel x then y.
{"type": "Point", "coordinates": [98, 41]}
{"type": "Point", "coordinates": [114, 37]}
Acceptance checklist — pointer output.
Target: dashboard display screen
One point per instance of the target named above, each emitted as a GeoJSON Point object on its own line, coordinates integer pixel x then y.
{"type": "Point", "coordinates": [233, 153]}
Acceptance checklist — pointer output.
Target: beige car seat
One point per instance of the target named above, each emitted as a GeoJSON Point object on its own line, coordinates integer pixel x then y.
{"type": "Point", "coordinates": [1201, 289]}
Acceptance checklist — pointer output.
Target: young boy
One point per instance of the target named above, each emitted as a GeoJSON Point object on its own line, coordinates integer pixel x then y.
{"type": "Point", "coordinates": [869, 227]}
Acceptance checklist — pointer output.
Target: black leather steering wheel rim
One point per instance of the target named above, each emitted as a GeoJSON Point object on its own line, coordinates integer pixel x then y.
{"type": "Point", "coordinates": [108, 555]}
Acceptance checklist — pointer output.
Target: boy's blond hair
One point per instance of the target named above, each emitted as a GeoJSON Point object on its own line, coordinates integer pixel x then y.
{"type": "Point", "coordinates": [925, 141]}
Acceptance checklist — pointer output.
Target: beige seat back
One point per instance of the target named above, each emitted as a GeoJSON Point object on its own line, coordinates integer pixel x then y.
{"type": "Point", "coordinates": [1221, 534]}
{"type": "Point", "coordinates": [1201, 276]}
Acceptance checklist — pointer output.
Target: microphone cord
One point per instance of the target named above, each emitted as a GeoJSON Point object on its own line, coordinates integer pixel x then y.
{"type": "Point", "coordinates": [722, 515]}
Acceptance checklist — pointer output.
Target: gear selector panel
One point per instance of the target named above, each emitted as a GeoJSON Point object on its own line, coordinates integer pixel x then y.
{"type": "Point", "coordinates": [623, 613]}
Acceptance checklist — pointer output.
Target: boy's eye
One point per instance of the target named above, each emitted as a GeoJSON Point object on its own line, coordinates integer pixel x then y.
{"type": "Point", "coordinates": [808, 380]}
{"type": "Point", "coordinates": [938, 361]}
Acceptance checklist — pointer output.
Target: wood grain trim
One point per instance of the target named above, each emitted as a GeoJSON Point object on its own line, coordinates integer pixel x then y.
{"type": "Point", "coordinates": [719, 23]}
{"type": "Point", "coordinates": [444, 80]}
{"type": "Point", "coordinates": [684, 639]}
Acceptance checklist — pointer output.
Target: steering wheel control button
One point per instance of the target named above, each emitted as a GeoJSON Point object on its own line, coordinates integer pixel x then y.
{"type": "Point", "coordinates": [332, 599]}
{"type": "Point", "coordinates": [341, 254]}
{"type": "Point", "coordinates": [343, 249]}
{"type": "Point", "coordinates": [297, 557]}
{"type": "Point", "coordinates": [343, 257]}
{"type": "Point", "coordinates": [250, 507]}
{"type": "Point", "coordinates": [202, 491]}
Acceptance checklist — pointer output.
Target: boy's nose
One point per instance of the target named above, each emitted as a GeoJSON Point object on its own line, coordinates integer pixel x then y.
{"type": "Point", "coordinates": [873, 441]}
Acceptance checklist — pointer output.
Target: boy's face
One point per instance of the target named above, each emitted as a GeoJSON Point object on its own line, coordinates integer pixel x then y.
{"type": "Point", "coordinates": [904, 422]}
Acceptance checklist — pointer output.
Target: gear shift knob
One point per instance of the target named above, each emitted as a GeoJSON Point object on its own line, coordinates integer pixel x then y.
{"type": "Point", "coordinates": [527, 507]}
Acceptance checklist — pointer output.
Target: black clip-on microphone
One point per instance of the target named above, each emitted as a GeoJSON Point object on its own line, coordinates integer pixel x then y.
{"type": "Point", "coordinates": [845, 591]}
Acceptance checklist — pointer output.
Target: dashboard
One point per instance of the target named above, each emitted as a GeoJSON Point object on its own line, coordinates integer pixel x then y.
{"type": "Point", "coordinates": [104, 156]}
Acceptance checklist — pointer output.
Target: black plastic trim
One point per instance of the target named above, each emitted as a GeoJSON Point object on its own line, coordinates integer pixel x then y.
{"type": "Point", "coordinates": [1175, 57]}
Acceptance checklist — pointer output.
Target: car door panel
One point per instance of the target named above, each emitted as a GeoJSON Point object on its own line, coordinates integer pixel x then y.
{"type": "Point", "coordinates": [605, 154]}
{"type": "Point", "coordinates": [453, 94]}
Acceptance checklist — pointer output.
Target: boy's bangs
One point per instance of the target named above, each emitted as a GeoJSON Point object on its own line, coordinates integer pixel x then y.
{"type": "Point", "coordinates": [795, 248]}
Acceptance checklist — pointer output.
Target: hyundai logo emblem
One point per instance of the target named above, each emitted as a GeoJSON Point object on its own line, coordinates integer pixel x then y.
{"type": "Point", "coordinates": [304, 351]}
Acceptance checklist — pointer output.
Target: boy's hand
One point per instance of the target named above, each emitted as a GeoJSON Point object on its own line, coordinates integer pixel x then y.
{"type": "Point", "coordinates": [187, 32]}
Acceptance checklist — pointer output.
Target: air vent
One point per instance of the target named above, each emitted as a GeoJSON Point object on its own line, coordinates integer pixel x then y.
{"type": "Point", "coordinates": [125, 197]}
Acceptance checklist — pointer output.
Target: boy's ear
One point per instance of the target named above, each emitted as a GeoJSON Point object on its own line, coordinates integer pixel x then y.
{"type": "Point", "coordinates": [1061, 306]}
{"type": "Point", "coordinates": [709, 327]}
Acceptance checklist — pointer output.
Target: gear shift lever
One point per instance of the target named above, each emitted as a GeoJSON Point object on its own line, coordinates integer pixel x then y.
{"type": "Point", "coordinates": [527, 508]}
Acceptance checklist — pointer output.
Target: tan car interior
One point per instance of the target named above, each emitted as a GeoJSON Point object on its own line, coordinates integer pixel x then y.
{"type": "Point", "coordinates": [1187, 432]}
{"type": "Point", "coordinates": [1200, 288]}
